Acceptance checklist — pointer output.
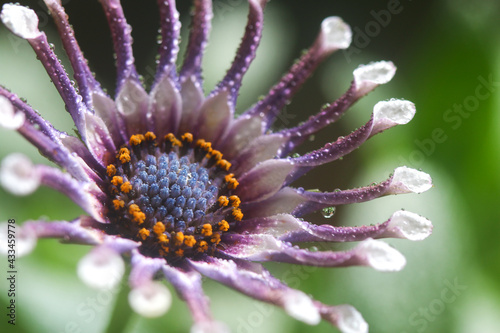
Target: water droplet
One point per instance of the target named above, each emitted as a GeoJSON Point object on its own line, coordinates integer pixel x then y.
{"type": "Point", "coordinates": [328, 212]}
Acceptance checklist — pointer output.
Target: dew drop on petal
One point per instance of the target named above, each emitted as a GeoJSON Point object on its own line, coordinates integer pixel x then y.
{"type": "Point", "coordinates": [328, 212]}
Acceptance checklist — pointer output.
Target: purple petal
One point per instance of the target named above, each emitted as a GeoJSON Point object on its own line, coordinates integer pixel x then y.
{"type": "Point", "coordinates": [372, 253]}
{"type": "Point", "coordinates": [86, 195]}
{"type": "Point", "coordinates": [260, 285]}
{"type": "Point", "coordinates": [23, 22]}
{"type": "Point", "coordinates": [285, 200]}
{"type": "Point", "coordinates": [132, 105]}
{"type": "Point", "coordinates": [192, 99]}
{"type": "Point", "coordinates": [87, 84]}
{"type": "Point", "coordinates": [99, 140]}
{"type": "Point", "coordinates": [263, 148]}
{"type": "Point", "coordinates": [240, 134]}
{"type": "Point", "coordinates": [346, 318]}
{"type": "Point", "coordinates": [264, 180]}
{"type": "Point", "coordinates": [246, 52]}
{"type": "Point", "coordinates": [366, 78]}
{"type": "Point", "coordinates": [169, 48]}
{"type": "Point", "coordinates": [106, 109]}
{"type": "Point", "coordinates": [189, 288]}
{"type": "Point", "coordinates": [198, 37]}
{"type": "Point", "coordinates": [122, 43]}
{"type": "Point", "coordinates": [334, 35]}
{"type": "Point", "coordinates": [214, 117]}
{"type": "Point", "coordinates": [385, 115]}
{"type": "Point", "coordinates": [165, 109]}
{"type": "Point", "coordinates": [403, 180]}
{"type": "Point", "coordinates": [147, 297]}
{"type": "Point", "coordinates": [287, 228]}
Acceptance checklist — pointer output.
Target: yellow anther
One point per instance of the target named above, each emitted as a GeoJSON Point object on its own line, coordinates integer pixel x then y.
{"type": "Point", "coordinates": [224, 165]}
{"type": "Point", "coordinates": [164, 250]}
{"type": "Point", "coordinates": [179, 252]}
{"type": "Point", "coordinates": [216, 238]}
{"type": "Point", "coordinates": [159, 228]}
{"type": "Point", "coordinates": [189, 240]}
{"type": "Point", "coordinates": [126, 187]}
{"type": "Point", "coordinates": [117, 180]}
{"type": "Point", "coordinates": [223, 225]}
{"type": "Point", "coordinates": [179, 237]}
{"type": "Point", "coordinates": [118, 204]}
{"type": "Point", "coordinates": [203, 246]}
{"type": "Point", "coordinates": [150, 136]}
{"type": "Point", "coordinates": [235, 201]}
{"type": "Point", "coordinates": [237, 214]}
{"type": "Point", "coordinates": [223, 201]}
{"type": "Point", "coordinates": [232, 184]}
{"type": "Point", "coordinates": [173, 140]}
{"type": "Point", "coordinates": [124, 151]}
{"type": "Point", "coordinates": [163, 238]}
{"type": "Point", "coordinates": [124, 158]}
{"type": "Point", "coordinates": [206, 230]}
{"type": "Point", "coordinates": [228, 177]}
{"type": "Point", "coordinates": [217, 155]}
{"type": "Point", "coordinates": [136, 213]}
{"type": "Point", "coordinates": [136, 139]}
{"type": "Point", "coordinates": [111, 170]}
{"type": "Point", "coordinates": [143, 233]}
{"type": "Point", "coordinates": [188, 137]}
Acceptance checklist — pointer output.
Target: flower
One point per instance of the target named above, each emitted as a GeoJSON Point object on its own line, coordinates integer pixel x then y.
{"type": "Point", "coordinates": [174, 181]}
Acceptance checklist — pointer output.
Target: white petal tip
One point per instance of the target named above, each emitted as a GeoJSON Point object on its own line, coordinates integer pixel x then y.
{"type": "Point", "coordinates": [25, 239]}
{"type": "Point", "coordinates": [21, 20]}
{"type": "Point", "coordinates": [387, 114]}
{"type": "Point", "coordinates": [349, 320]}
{"type": "Point", "coordinates": [18, 175]}
{"type": "Point", "coordinates": [9, 118]}
{"type": "Point", "coordinates": [301, 307]}
{"type": "Point", "coordinates": [381, 256]}
{"type": "Point", "coordinates": [150, 300]}
{"type": "Point", "coordinates": [410, 225]}
{"type": "Point", "coordinates": [406, 180]}
{"type": "Point", "coordinates": [102, 268]}
{"type": "Point", "coordinates": [335, 34]}
{"type": "Point", "coordinates": [379, 72]}
{"type": "Point", "coordinates": [210, 327]}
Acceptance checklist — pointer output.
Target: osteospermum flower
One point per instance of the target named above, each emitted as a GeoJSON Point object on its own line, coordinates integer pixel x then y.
{"type": "Point", "coordinates": [178, 185]}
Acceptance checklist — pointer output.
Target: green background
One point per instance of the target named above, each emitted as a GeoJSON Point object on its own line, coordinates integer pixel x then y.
{"type": "Point", "coordinates": [444, 50]}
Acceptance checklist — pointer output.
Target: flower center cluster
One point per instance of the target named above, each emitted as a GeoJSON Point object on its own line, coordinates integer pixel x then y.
{"type": "Point", "coordinates": [173, 196]}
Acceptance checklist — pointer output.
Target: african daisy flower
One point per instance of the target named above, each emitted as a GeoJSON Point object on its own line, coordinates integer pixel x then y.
{"type": "Point", "coordinates": [178, 186]}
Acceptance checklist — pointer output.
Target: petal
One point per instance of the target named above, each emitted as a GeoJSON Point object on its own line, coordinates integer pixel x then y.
{"type": "Point", "coordinates": [87, 84]}
{"type": "Point", "coordinates": [188, 286]}
{"type": "Point", "coordinates": [9, 117]}
{"type": "Point", "coordinates": [198, 38]}
{"type": "Point", "coordinates": [22, 21]}
{"type": "Point", "coordinates": [334, 34]}
{"type": "Point", "coordinates": [260, 285]}
{"type": "Point", "coordinates": [102, 268]}
{"type": "Point", "coordinates": [264, 180]}
{"type": "Point", "coordinates": [105, 108]}
{"type": "Point", "coordinates": [245, 53]}
{"type": "Point", "coordinates": [132, 104]}
{"type": "Point", "coordinates": [169, 47]}
{"type": "Point", "coordinates": [372, 253]}
{"type": "Point", "coordinates": [25, 238]}
{"type": "Point", "coordinates": [150, 300]}
{"type": "Point", "coordinates": [387, 114]}
{"type": "Point", "coordinates": [345, 317]}
{"type": "Point", "coordinates": [403, 180]}
{"type": "Point", "coordinates": [192, 99]}
{"type": "Point", "coordinates": [263, 148]}
{"type": "Point", "coordinates": [165, 108]}
{"type": "Point", "coordinates": [99, 140]}
{"type": "Point", "coordinates": [286, 227]}
{"type": "Point", "coordinates": [240, 134]}
{"type": "Point", "coordinates": [18, 175]}
{"type": "Point", "coordinates": [368, 77]}
{"type": "Point", "coordinates": [214, 117]}
{"type": "Point", "coordinates": [122, 43]}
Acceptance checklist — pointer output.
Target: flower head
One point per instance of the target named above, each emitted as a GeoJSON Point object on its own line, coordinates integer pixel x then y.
{"type": "Point", "coordinates": [174, 180]}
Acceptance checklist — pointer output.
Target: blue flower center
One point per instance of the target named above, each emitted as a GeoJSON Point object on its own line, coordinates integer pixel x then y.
{"type": "Point", "coordinates": [173, 196]}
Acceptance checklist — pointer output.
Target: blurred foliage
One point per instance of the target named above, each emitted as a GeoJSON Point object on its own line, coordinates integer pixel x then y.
{"type": "Point", "coordinates": [444, 51]}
